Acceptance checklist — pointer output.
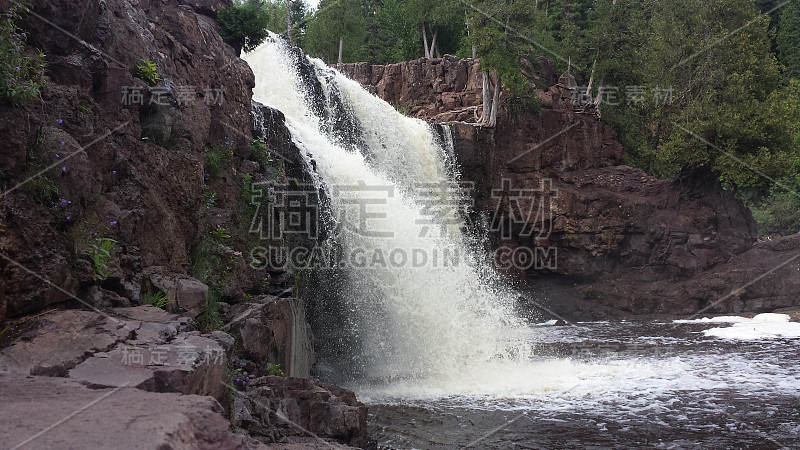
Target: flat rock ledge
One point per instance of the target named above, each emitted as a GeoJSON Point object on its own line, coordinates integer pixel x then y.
{"type": "Point", "coordinates": [138, 377]}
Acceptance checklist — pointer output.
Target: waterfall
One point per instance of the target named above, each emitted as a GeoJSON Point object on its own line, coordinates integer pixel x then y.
{"type": "Point", "coordinates": [393, 194]}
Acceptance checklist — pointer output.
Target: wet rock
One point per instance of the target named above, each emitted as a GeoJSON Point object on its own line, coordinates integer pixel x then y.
{"type": "Point", "coordinates": [618, 238]}
{"type": "Point", "coordinates": [144, 195]}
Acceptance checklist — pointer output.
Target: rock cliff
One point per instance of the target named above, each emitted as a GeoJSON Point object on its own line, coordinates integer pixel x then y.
{"type": "Point", "coordinates": [120, 189]}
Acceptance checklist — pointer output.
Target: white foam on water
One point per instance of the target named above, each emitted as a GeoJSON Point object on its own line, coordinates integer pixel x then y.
{"type": "Point", "coordinates": [756, 331]}
{"type": "Point", "coordinates": [547, 323]}
{"type": "Point", "coordinates": [718, 319]}
{"type": "Point", "coordinates": [761, 326]}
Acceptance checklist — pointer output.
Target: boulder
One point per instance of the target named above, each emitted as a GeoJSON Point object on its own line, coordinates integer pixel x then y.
{"type": "Point", "coordinates": [278, 407]}
{"type": "Point", "coordinates": [273, 330]}
{"type": "Point", "coordinates": [184, 292]}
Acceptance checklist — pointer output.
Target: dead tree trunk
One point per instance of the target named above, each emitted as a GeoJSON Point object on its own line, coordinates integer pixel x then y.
{"type": "Point", "coordinates": [425, 41]}
{"type": "Point", "coordinates": [487, 99]}
{"type": "Point", "coordinates": [495, 102]}
{"type": "Point", "coordinates": [341, 44]}
{"type": "Point", "coordinates": [433, 44]}
{"type": "Point", "coordinates": [591, 77]}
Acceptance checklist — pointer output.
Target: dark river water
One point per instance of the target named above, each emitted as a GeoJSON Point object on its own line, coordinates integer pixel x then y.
{"type": "Point", "coordinates": [599, 385]}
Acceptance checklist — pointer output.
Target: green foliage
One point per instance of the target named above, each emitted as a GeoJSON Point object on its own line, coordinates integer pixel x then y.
{"type": "Point", "coordinates": [22, 72]}
{"type": "Point", "coordinates": [335, 19]}
{"type": "Point", "coordinates": [159, 300]}
{"type": "Point", "coordinates": [147, 71]}
{"type": "Point", "coordinates": [220, 233]}
{"type": "Point", "coordinates": [779, 213]}
{"type": "Point", "coordinates": [212, 263]}
{"type": "Point", "coordinates": [275, 370]}
{"type": "Point", "coordinates": [210, 319]}
{"type": "Point", "coordinates": [248, 208]}
{"type": "Point", "coordinates": [260, 153]}
{"type": "Point", "coordinates": [392, 36]}
{"type": "Point", "coordinates": [243, 26]}
{"type": "Point", "coordinates": [42, 183]}
{"type": "Point", "coordinates": [788, 39]}
{"type": "Point", "coordinates": [718, 80]}
{"type": "Point", "coordinates": [504, 33]}
{"type": "Point", "coordinates": [101, 254]}
{"type": "Point", "coordinates": [218, 159]}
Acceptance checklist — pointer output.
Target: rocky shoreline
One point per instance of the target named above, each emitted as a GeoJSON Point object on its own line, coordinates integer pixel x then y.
{"type": "Point", "coordinates": [141, 377]}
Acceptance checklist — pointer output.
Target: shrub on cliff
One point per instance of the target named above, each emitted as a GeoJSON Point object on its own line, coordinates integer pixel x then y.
{"type": "Point", "coordinates": [22, 75]}
{"type": "Point", "coordinates": [779, 213]}
{"type": "Point", "coordinates": [244, 25]}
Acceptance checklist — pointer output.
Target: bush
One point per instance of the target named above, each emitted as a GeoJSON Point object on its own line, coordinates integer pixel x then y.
{"type": "Point", "coordinates": [218, 159]}
{"type": "Point", "coordinates": [159, 300]}
{"type": "Point", "coordinates": [779, 213]}
{"type": "Point", "coordinates": [22, 75]}
{"type": "Point", "coordinates": [244, 25]}
{"type": "Point", "coordinates": [260, 153]}
{"type": "Point", "coordinates": [147, 71]}
{"type": "Point", "coordinates": [102, 257]}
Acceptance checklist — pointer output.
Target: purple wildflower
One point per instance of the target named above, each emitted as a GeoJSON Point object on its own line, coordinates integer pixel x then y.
{"type": "Point", "coordinates": [63, 201]}
{"type": "Point", "coordinates": [63, 168]}
{"type": "Point", "coordinates": [112, 223]}
{"type": "Point", "coordinates": [114, 172]}
{"type": "Point", "coordinates": [68, 218]}
{"type": "Point", "coordinates": [62, 142]}
{"type": "Point", "coordinates": [58, 156]}
{"type": "Point", "coordinates": [60, 121]}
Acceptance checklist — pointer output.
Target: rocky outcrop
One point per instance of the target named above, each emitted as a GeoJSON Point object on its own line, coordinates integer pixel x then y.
{"type": "Point", "coordinates": [146, 356]}
{"type": "Point", "coordinates": [602, 238]}
{"type": "Point", "coordinates": [60, 413]}
{"type": "Point", "coordinates": [441, 90]}
{"type": "Point", "coordinates": [126, 159]}
{"type": "Point", "coordinates": [275, 331]}
{"type": "Point", "coordinates": [272, 407]}
{"type": "Point", "coordinates": [119, 192]}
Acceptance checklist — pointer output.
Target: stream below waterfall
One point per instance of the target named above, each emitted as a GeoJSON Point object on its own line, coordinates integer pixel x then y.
{"type": "Point", "coordinates": [601, 385]}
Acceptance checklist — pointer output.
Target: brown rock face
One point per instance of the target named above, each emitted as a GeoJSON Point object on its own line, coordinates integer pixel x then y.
{"type": "Point", "coordinates": [126, 167]}
{"type": "Point", "coordinates": [600, 234]}
{"type": "Point", "coordinates": [440, 90]}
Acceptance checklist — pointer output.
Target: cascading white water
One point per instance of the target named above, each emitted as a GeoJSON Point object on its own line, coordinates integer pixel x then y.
{"type": "Point", "coordinates": [412, 320]}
